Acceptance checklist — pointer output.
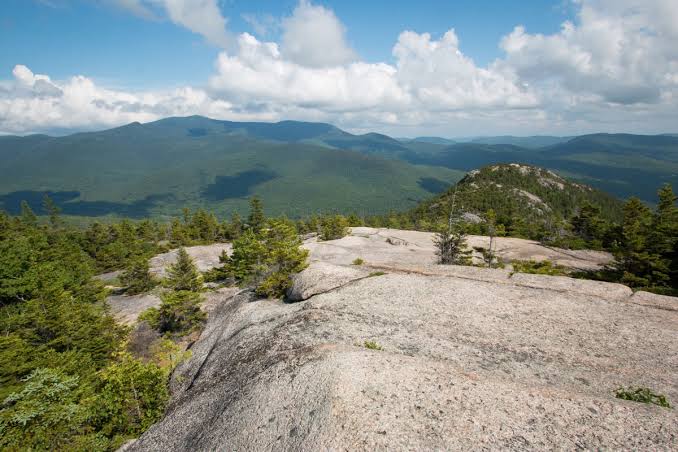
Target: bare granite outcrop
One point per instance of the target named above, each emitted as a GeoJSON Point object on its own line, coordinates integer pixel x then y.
{"type": "Point", "coordinates": [470, 358]}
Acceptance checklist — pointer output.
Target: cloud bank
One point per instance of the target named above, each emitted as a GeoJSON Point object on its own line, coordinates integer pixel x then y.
{"type": "Point", "coordinates": [614, 68]}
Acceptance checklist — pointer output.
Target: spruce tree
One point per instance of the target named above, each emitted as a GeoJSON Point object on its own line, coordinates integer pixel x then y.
{"type": "Point", "coordinates": [256, 218]}
{"type": "Point", "coordinates": [664, 235]}
{"type": "Point", "coordinates": [267, 260]}
{"type": "Point", "coordinates": [640, 266]}
{"type": "Point", "coordinates": [177, 233]}
{"type": "Point", "coordinates": [589, 226]}
{"type": "Point", "coordinates": [450, 246]}
{"type": "Point", "coordinates": [236, 226]}
{"type": "Point", "coordinates": [333, 227]}
{"type": "Point", "coordinates": [137, 276]}
{"type": "Point", "coordinates": [51, 209]}
{"type": "Point", "coordinates": [184, 275]}
{"type": "Point", "coordinates": [28, 217]}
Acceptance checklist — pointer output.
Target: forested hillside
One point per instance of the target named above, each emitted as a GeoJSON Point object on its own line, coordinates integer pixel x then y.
{"type": "Point", "coordinates": [621, 164]}
{"type": "Point", "coordinates": [156, 169]}
{"type": "Point", "coordinates": [300, 168]}
{"type": "Point", "coordinates": [528, 201]}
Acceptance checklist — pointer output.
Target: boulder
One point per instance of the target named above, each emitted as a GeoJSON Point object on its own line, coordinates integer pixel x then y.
{"type": "Point", "coordinates": [321, 277]}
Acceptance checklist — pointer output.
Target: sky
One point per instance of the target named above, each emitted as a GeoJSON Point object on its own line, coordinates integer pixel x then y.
{"type": "Point", "coordinates": [430, 67]}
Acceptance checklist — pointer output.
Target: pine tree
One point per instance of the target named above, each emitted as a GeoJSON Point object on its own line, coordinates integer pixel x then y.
{"type": "Point", "coordinates": [639, 264]}
{"type": "Point", "coordinates": [333, 227]}
{"type": "Point", "coordinates": [27, 215]}
{"type": "Point", "coordinates": [236, 226]}
{"type": "Point", "coordinates": [203, 226]}
{"type": "Point", "coordinates": [137, 276]}
{"type": "Point", "coordinates": [450, 246]}
{"type": "Point", "coordinates": [489, 256]}
{"type": "Point", "coordinates": [256, 218]}
{"type": "Point", "coordinates": [184, 275]}
{"type": "Point", "coordinates": [177, 233]}
{"type": "Point", "coordinates": [267, 260]}
{"type": "Point", "coordinates": [664, 235]}
{"type": "Point", "coordinates": [589, 226]}
{"type": "Point", "coordinates": [284, 257]}
{"type": "Point", "coordinates": [51, 209]}
{"type": "Point", "coordinates": [247, 259]}
{"type": "Point", "coordinates": [179, 313]}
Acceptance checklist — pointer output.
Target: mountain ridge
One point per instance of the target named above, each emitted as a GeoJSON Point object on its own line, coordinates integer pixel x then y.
{"type": "Point", "coordinates": [298, 167]}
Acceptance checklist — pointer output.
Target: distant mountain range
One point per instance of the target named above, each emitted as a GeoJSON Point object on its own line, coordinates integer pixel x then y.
{"type": "Point", "coordinates": [532, 142]}
{"type": "Point", "coordinates": [157, 168]}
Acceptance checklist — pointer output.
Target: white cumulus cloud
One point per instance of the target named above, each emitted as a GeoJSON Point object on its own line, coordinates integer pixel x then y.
{"type": "Point", "coordinates": [621, 51]}
{"type": "Point", "coordinates": [313, 36]}
{"type": "Point", "coordinates": [613, 68]}
{"type": "Point", "coordinates": [199, 16]}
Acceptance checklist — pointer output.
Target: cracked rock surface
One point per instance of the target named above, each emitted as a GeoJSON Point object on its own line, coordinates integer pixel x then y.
{"type": "Point", "coordinates": [472, 359]}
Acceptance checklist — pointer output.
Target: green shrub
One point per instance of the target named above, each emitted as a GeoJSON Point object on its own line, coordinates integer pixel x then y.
{"type": "Point", "coordinates": [372, 345]}
{"type": "Point", "coordinates": [132, 397]}
{"type": "Point", "coordinates": [642, 395]}
{"type": "Point", "coordinates": [44, 414]}
{"type": "Point", "coordinates": [538, 268]}
{"type": "Point", "coordinates": [333, 227]}
{"type": "Point", "coordinates": [137, 277]}
{"type": "Point", "coordinates": [376, 274]}
{"type": "Point", "coordinates": [179, 313]}
{"type": "Point", "coordinates": [358, 261]}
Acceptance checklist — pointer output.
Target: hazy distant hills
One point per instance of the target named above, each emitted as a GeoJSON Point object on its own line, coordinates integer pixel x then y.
{"type": "Point", "coordinates": [622, 164]}
{"type": "Point", "coordinates": [157, 168]}
{"type": "Point", "coordinates": [533, 142]}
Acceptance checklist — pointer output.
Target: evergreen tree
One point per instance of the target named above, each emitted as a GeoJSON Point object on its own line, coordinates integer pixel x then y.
{"type": "Point", "coordinates": [178, 314]}
{"type": "Point", "coordinates": [354, 220]}
{"type": "Point", "coordinates": [664, 234]}
{"type": "Point", "coordinates": [51, 209]}
{"type": "Point", "coordinates": [284, 257]}
{"type": "Point", "coordinates": [488, 254]}
{"type": "Point", "coordinates": [638, 264]}
{"type": "Point", "coordinates": [203, 227]}
{"type": "Point", "coordinates": [450, 246]}
{"type": "Point", "coordinates": [132, 397]}
{"type": "Point", "coordinates": [137, 276]}
{"type": "Point", "coordinates": [236, 226]}
{"type": "Point", "coordinates": [268, 259]}
{"type": "Point", "coordinates": [177, 233]}
{"type": "Point", "coordinates": [27, 215]}
{"type": "Point", "coordinates": [43, 414]}
{"type": "Point", "coordinates": [589, 226]}
{"type": "Point", "coordinates": [256, 218]}
{"type": "Point", "coordinates": [184, 275]}
{"type": "Point", "coordinates": [333, 227]}
{"type": "Point", "coordinates": [247, 259]}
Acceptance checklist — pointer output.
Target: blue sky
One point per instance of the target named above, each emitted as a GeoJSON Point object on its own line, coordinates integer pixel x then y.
{"type": "Point", "coordinates": [106, 42]}
{"type": "Point", "coordinates": [405, 68]}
